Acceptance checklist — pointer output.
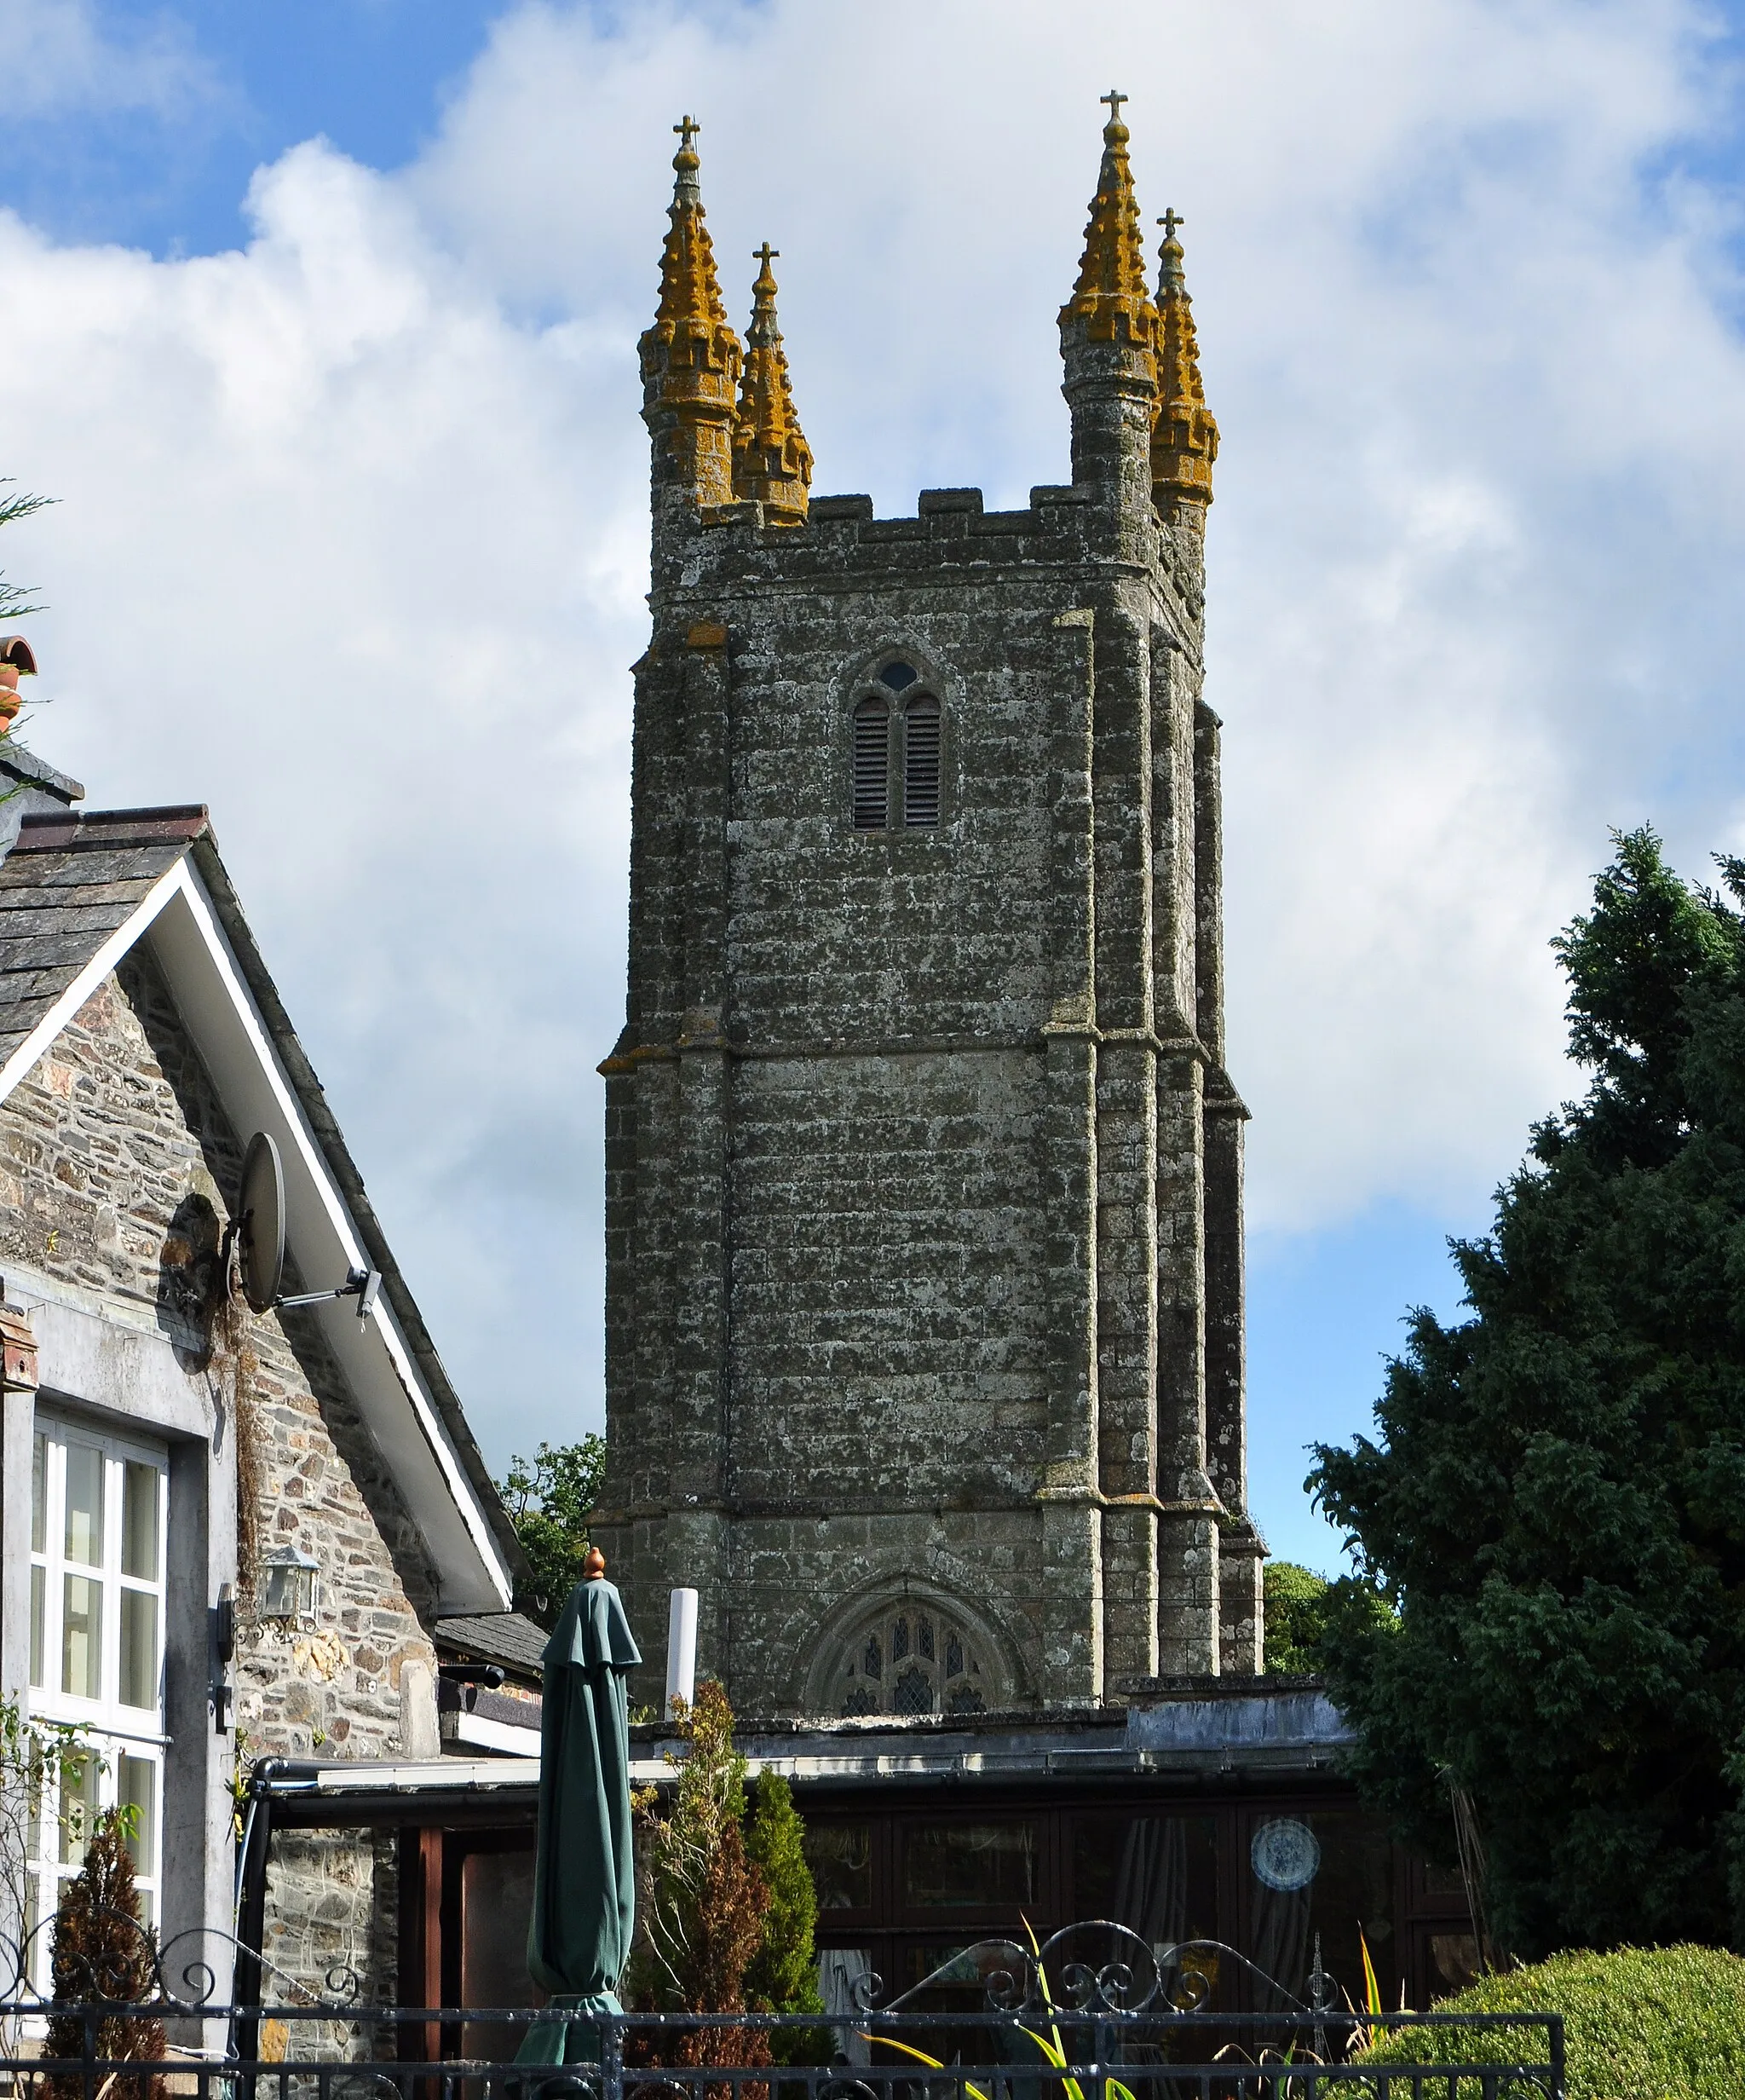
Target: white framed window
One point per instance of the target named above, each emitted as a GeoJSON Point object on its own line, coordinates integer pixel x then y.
{"type": "Point", "coordinates": [99, 1511]}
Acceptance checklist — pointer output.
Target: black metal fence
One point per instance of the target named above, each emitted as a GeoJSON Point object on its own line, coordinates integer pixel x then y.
{"type": "Point", "coordinates": [1093, 2013]}
{"type": "Point", "coordinates": [323, 2051]}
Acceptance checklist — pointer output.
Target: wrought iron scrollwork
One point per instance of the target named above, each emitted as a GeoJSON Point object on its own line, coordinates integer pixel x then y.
{"type": "Point", "coordinates": [178, 1978]}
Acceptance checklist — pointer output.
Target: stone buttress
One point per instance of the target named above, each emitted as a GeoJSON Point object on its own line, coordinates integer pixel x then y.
{"type": "Point", "coordinates": [924, 1258]}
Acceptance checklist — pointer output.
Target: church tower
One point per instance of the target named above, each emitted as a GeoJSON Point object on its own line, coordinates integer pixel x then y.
{"type": "Point", "coordinates": [924, 1358]}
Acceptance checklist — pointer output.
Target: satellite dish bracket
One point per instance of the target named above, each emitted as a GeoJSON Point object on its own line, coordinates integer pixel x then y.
{"type": "Point", "coordinates": [363, 1284]}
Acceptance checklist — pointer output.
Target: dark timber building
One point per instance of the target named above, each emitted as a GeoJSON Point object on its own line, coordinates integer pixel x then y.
{"type": "Point", "coordinates": [924, 1258]}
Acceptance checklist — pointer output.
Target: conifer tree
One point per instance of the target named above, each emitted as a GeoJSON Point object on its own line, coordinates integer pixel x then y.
{"type": "Point", "coordinates": [704, 1921]}
{"type": "Point", "coordinates": [1554, 1497]}
{"type": "Point", "coordinates": [103, 1951]}
{"type": "Point", "coordinates": [783, 1974]}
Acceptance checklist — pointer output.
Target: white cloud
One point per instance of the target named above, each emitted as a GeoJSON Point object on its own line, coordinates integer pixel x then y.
{"type": "Point", "coordinates": [64, 56]}
{"type": "Point", "coordinates": [353, 535]}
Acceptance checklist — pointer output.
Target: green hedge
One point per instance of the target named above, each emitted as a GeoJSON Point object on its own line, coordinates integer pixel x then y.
{"type": "Point", "coordinates": [1664, 2023]}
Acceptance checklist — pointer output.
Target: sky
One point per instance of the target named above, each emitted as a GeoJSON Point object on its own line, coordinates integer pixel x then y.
{"type": "Point", "coordinates": [319, 324]}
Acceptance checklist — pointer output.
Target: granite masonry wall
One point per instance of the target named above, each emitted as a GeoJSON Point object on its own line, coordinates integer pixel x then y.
{"type": "Point", "coordinates": [924, 1171]}
{"type": "Point", "coordinates": [115, 1165]}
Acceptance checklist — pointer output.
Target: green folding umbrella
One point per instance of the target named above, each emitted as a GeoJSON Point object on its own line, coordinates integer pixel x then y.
{"type": "Point", "coordinates": [585, 1888]}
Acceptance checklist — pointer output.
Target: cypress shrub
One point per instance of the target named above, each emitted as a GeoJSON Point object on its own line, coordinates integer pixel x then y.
{"type": "Point", "coordinates": [103, 1950]}
{"type": "Point", "coordinates": [1641, 2023]}
{"type": "Point", "coordinates": [783, 1974]}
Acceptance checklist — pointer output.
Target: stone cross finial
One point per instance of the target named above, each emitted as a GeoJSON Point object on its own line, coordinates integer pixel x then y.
{"type": "Point", "coordinates": [763, 255]}
{"type": "Point", "coordinates": [687, 129]}
{"type": "Point", "coordinates": [1115, 99]}
{"type": "Point", "coordinates": [1169, 223]}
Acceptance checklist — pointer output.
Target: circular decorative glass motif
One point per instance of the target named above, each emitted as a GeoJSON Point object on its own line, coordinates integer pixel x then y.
{"type": "Point", "coordinates": [1285, 1854]}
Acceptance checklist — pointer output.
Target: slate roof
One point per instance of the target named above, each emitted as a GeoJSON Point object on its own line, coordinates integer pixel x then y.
{"type": "Point", "coordinates": [67, 884]}
{"type": "Point", "coordinates": [509, 1638]}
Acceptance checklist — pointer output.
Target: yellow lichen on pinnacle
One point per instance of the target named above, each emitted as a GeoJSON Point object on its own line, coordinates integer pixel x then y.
{"type": "Point", "coordinates": [1111, 296]}
{"type": "Point", "coordinates": [691, 355]}
{"type": "Point", "coordinates": [1184, 435]}
{"type": "Point", "coordinates": [772, 462]}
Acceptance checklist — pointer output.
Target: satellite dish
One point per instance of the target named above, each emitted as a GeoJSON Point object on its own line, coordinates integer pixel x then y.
{"type": "Point", "coordinates": [260, 1218]}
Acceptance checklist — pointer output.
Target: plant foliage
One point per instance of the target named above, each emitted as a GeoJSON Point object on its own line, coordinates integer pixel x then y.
{"type": "Point", "coordinates": [704, 1921]}
{"type": "Point", "coordinates": [1555, 1496]}
{"type": "Point", "coordinates": [103, 1950]}
{"type": "Point", "coordinates": [1669, 2020]}
{"type": "Point", "coordinates": [731, 1914]}
{"type": "Point", "coordinates": [550, 1498]}
{"type": "Point", "coordinates": [783, 1973]}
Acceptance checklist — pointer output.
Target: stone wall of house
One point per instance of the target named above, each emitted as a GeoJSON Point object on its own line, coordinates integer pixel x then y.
{"type": "Point", "coordinates": [333, 1927]}
{"type": "Point", "coordinates": [922, 1267]}
{"type": "Point", "coordinates": [117, 1166]}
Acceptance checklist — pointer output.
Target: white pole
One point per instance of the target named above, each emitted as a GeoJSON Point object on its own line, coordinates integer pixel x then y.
{"type": "Point", "coordinates": [681, 1649]}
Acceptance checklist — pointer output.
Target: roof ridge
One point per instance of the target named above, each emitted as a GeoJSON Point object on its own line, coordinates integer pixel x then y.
{"type": "Point", "coordinates": [46, 830]}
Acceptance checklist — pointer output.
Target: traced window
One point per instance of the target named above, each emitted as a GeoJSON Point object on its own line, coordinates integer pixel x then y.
{"type": "Point", "coordinates": [910, 1658]}
{"type": "Point", "coordinates": [98, 1510]}
{"type": "Point", "coordinates": [873, 765]}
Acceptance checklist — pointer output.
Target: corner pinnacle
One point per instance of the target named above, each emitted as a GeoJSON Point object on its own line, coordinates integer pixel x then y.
{"type": "Point", "coordinates": [1184, 436]}
{"type": "Point", "coordinates": [772, 462]}
{"type": "Point", "coordinates": [1111, 297]}
{"type": "Point", "coordinates": [691, 355]}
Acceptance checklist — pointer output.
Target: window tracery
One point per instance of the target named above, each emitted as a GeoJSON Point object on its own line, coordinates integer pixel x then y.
{"type": "Point", "coordinates": [911, 1658]}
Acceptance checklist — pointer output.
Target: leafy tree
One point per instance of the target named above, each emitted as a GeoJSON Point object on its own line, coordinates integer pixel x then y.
{"type": "Point", "coordinates": [1555, 1495]}
{"type": "Point", "coordinates": [1296, 1614]}
{"type": "Point", "coordinates": [15, 601]}
{"type": "Point", "coordinates": [103, 1950]}
{"type": "Point", "coordinates": [1300, 1605]}
{"type": "Point", "coordinates": [550, 1498]}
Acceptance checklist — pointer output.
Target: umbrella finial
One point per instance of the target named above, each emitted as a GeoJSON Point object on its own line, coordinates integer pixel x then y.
{"type": "Point", "coordinates": [594, 1566]}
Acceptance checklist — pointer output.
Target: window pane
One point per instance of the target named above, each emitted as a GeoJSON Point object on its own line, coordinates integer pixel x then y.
{"type": "Point", "coordinates": [139, 1648]}
{"type": "Point", "coordinates": [84, 1504]}
{"type": "Point", "coordinates": [139, 1521]}
{"type": "Point", "coordinates": [79, 1810]}
{"type": "Point", "coordinates": [81, 1636]}
{"type": "Point", "coordinates": [39, 1593]}
{"type": "Point", "coordinates": [1157, 1875]}
{"type": "Point", "coordinates": [39, 1491]}
{"type": "Point", "coordinates": [979, 1865]}
{"type": "Point", "coordinates": [137, 1791]}
{"type": "Point", "coordinates": [840, 1856]}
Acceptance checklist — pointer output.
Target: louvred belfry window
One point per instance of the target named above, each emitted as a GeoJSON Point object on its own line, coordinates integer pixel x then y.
{"type": "Point", "coordinates": [897, 753]}
{"type": "Point", "coordinates": [871, 765]}
{"type": "Point", "coordinates": [921, 763]}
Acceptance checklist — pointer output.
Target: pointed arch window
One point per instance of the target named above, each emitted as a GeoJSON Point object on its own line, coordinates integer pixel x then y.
{"type": "Point", "coordinates": [910, 1657]}
{"type": "Point", "coordinates": [898, 745]}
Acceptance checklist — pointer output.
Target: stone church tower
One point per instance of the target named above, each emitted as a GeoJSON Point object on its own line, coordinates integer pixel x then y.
{"type": "Point", "coordinates": [924, 1173]}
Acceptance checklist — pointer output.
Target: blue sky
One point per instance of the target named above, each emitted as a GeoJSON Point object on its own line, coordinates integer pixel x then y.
{"type": "Point", "coordinates": [321, 323]}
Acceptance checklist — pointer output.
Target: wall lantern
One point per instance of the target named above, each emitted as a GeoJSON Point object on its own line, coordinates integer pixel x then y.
{"type": "Point", "coordinates": [290, 1586]}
